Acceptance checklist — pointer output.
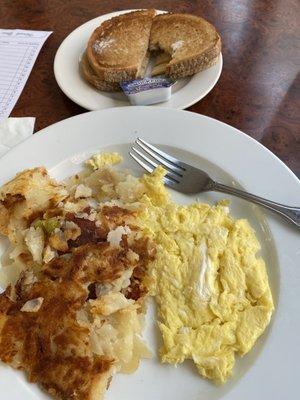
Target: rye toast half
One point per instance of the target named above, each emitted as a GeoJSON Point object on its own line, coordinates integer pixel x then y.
{"type": "Point", "coordinates": [118, 48]}
{"type": "Point", "coordinates": [192, 43]}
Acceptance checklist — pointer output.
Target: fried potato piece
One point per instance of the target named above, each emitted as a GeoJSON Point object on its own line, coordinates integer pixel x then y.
{"type": "Point", "coordinates": [49, 343]}
{"type": "Point", "coordinates": [26, 197]}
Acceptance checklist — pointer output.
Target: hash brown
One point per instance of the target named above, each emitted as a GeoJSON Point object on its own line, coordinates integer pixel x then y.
{"type": "Point", "coordinates": [73, 315]}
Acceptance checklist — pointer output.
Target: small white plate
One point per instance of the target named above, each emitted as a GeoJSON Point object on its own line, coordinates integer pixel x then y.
{"type": "Point", "coordinates": [271, 369]}
{"type": "Point", "coordinates": [66, 70]}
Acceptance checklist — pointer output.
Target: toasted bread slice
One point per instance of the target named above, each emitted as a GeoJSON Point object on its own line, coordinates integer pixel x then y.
{"type": "Point", "coordinates": [117, 49]}
{"type": "Point", "coordinates": [89, 75]}
{"type": "Point", "coordinates": [193, 43]}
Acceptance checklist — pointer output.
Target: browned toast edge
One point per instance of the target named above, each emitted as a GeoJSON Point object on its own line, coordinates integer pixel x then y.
{"type": "Point", "coordinates": [113, 74]}
{"type": "Point", "coordinates": [89, 75]}
{"type": "Point", "coordinates": [191, 65]}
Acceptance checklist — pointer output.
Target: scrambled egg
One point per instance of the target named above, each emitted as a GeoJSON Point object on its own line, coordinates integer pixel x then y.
{"type": "Point", "coordinates": [100, 160]}
{"type": "Point", "coordinates": [210, 285]}
{"type": "Point", "coordinates": [211, 288]}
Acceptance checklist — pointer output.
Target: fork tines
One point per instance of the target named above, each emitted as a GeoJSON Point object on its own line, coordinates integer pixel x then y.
{"type": "Point", "coordinates": [149, 157]}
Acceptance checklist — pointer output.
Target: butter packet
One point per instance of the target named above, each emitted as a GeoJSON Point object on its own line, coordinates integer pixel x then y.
{"type": "Point", "coordinates": [148, 90]}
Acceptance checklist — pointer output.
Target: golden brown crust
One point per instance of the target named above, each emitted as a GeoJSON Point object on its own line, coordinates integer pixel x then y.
{"type": "Point", "coordinates": [90, 76]}
{"type": "Point", "coordinates": [115, 215]}
{"type": "Point", "coordinates": [192, 42]}
{"type": "Point", "coordinates": [49, 344]}
{"type": "Point", "coordinates": [117, 48]}
{"type": "Point", "coordinates": [48, 326]}
{"type": "Point", "coordinates": [192, 65]}
{"type": "Point", "coordinates": [90, 263]}
{"type": "Point", "coordinates": [25, 197]}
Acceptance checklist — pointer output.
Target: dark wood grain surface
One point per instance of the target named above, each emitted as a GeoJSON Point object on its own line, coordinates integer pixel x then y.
{"type": "Point", "coordinates": [258, 91]}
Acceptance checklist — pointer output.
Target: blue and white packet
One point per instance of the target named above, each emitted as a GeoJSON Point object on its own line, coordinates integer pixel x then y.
{"type": "Point", "coordinates": [148, 90]}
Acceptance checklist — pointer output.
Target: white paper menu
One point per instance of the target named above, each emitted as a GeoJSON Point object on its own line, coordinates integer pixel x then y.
{"type": "Point", "coordinates": [18, 52]}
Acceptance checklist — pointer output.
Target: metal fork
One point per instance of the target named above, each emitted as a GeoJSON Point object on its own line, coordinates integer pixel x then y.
{"type": "Point", "coordinates": [188, 179]}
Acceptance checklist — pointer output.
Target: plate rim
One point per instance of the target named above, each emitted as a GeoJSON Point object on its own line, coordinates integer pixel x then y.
{"type": "Point", "coordinates": [83, 115]}
{"type": "Point", "coordinates": [234, 393]}
{"type": "Point", "coordinates": [77, 100]}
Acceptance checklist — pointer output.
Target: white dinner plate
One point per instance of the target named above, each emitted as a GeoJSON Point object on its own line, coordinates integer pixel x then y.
{"type": "Point", "coordinates": [271, 370]}
{"type": "Point", "coordinates": [66, 70]}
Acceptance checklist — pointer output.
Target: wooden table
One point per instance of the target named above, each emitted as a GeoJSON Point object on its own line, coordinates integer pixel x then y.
{"type": "Point", "coordinates": [258, 91]}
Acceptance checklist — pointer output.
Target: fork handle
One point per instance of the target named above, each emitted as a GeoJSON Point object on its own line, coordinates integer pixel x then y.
{"type": "Point", "coordinates": [290, 213]}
